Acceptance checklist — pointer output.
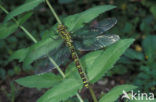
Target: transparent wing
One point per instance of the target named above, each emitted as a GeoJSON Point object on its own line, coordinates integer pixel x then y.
{"type": "Point", "coordinates": [43, 65]}
{"type": "Point", "coordinates": [95, 28]}
{"type": "Point", "coordinates": [105, 24]}
{"type": "Point", "coordinates": [60, 56]}
{"type": "Point", "coordinates": [95, 43]}
{"type": "Point", "coordinates": [86, 39]}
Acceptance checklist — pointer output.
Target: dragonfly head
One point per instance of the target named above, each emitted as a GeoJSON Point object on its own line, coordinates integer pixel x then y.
{"type": "Point", "coordinates": [61, 27]}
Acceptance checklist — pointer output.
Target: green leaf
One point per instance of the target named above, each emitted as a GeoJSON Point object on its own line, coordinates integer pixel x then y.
{"type": "Point", "coordinates": [107, 59]}
{"type": "Point", "coordinates": [28, 55]}
{"type": "Point", "coordinates": [132, 54]}
{"type": "Point", "coordinates": [49, 33]}
{"type": "Point", "coordinates": [41, 48]}
{"type": "Point", "coordinates": [77, 21]}
{"type": "Point", "coordinates": [99, 62]}
{"type": "Point", "coordinates": [152, 9]}
{"type": "Point", "coordinates": [62, 91]}
{"type": "Point", "coordinates": [19, 54]}
{"type": "Point", "coordinates": [118, 69]}
{"type": "Point", "coordinates": [24, 18]}
{"type": "Point", "coordinates": [86, 62]}
{"type": "Point", "coordinates": [23, 8]}
{"type": "Point", "coordinates": [39, 81]}
{"type": "Point", "coordinates": [114, 94]}
{"type": "Point", "coordinates": [7, 29]}
{"type": "Point", "coordinates": [149, 47]}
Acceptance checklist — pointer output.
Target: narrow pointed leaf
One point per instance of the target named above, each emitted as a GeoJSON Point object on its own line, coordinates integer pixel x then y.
{"type": "Point", "coordinates": [62, 91]}
{"type": "Point", "coordinates": [24, 18]}
{"type": "Point", "coordinates": [23, 8]}
{"type": "Point", "coordinates": [107, 59]}
{"type": "Point", "coordinates": [19, 54]}
{"type": "Point", "coordinates": [77, 21]}
{"type": "Point", "coordinates": [39, 81]}
{"type": "Point", "coordinates": [114, 94]}
{"type": "Point", "coordinates": [132, 54]}
{"type": "Point", "coordinates": [7, 29]}
{"type": "Point", "coordinates": [40, 49]}
{"type": "Point", "coordinates": [86, 62]}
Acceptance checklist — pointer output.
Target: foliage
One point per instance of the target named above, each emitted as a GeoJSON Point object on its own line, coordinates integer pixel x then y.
{"type": "Point", "coordinates": [145, 64]}
{"type": "Point", "coordinates": [23, 8]}
{"type": "Point", "coordinates": [41, 47]}
{"type": "Point", "coordinates": [134, 22]}
{"type": "Point", "coordinates": [116, 92]}
{"type": "Point", "coordinates": [39, 81]}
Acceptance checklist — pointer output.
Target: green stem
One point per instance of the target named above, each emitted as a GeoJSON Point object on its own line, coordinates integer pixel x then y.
{"type": "Point", "coordinates": [92, 93]}
{"type": "Point", "coordinates": [53, 12]}
{"type": "Point", "coordinates": [28, 34]}
{"type": "Point", "coordinates": [35, 41]}
{"type": "Point", "coordinates": [79, 97]}
{"type": "Point", "coordinates": [59, 21]}
{"type": "Point", "coordinates": [58, 68]}
{"type": "Point", "coordinates": [3, 9]}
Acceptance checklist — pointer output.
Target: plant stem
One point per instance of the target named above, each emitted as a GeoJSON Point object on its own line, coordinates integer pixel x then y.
{"type": "Point", "coordinates": [53, 62]}
{"type": "Point", "coordinates": [28, 34]}
{"type": "Point", "coordinates": [92, 93]}
{"type": "Point", "coordinates": [59, 21]}
{"type": "Point", "coordinates": [35, 41]}
{"type": "Point", "coordinates": [53, 12]}
{"type": "Point", "coordinates": [79, 97]}
{"type": "Point", "coordinates": [3, 9]}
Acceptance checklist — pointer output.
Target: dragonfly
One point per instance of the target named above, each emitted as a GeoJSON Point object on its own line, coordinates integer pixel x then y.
{"type": "Point", "coordinates": [90, 37]}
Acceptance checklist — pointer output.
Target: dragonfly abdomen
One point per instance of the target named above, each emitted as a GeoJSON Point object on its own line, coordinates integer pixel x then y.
{"type": "Point", "coordinates": [78, 66]}
{"type": "Point", "coordinates": [66, 36]}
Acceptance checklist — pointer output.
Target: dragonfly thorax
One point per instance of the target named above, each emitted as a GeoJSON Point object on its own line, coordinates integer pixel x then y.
{"type": "Point", "coordinates": [62, 29]}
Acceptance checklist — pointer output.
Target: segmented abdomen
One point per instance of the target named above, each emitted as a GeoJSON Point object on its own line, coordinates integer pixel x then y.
{"type": "Point", "coordinates": [66, 36]}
